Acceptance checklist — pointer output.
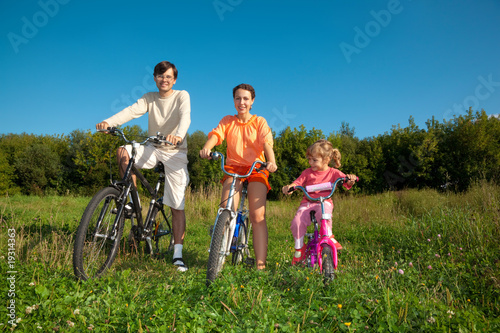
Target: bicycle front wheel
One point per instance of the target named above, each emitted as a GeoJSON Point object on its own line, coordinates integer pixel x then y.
{"type": "Point", "coordinates": [218, 246]}
{"type": "Point", "coordinates": [98, 235]}
{"type": "Point", "coordinates": [242, 250]}
{"type": "Point", "coordinates": [327, 260]}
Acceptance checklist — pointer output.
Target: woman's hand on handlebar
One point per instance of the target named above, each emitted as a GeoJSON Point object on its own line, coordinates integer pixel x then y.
{"type": "Point", "coordinates": [271, 167]}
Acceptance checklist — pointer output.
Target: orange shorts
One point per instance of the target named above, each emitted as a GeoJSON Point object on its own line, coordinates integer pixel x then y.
{"type": "Point", "coordinates": [260, 176]}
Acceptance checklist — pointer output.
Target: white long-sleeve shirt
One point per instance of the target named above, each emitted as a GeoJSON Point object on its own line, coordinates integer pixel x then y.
{"type": "Point", "coordinates": [168, 115]}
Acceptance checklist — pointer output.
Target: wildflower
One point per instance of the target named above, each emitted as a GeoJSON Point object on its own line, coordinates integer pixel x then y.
{"type": "Point", "coordinates": [429, 267]}
{"type": "Point", "coordinates": [431, 320]}
{"type": "Point", "coordinates": [70, 323]}
{"type": "Point", "coordinates": [91, 327]}
{"type": "Point", "coordinates": [18, 320]}
{"type": "Point", "coordinates": [439, 235]}
{"type": "Point", "coordinates": [428, 239]}
{"type": "Point", "coordinates": [242, 286]}
{"type": "Point", "coordinates": [339, 306]}
{"type": "Point", "coordinates": [438, 256]}
{"type": "Point", "coordinates": [401, 271]}
{"type": "Point", "coordinates": [32, 283]}
{"type": "Point", "coordinates": [395, 264]}
{"type": "Point", "coordinates": [376, 277]}
{"type": "Point", "coordinates": [449, 254]}
{"type": "Point", "coordinates": [76, 312]}
{"type": "Point", "coordinates": [28, 310]}
{"type": "Point", "coordinates": [347, 324]}
{"type": "Point", "coordinates": [468, 299]}
{"type": "Point", "coordinates": [410, 264]}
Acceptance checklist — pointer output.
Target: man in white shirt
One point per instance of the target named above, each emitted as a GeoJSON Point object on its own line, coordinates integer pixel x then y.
{"type": "Point", "coordinates": [169, 112]}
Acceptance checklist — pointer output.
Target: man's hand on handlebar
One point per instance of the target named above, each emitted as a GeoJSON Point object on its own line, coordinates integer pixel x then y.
{"type": "Point", "coordinates": [102, 126]}
{"type": "Point", "coordinates": [175, 140]}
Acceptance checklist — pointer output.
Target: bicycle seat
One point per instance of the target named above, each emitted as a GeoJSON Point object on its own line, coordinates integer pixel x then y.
{"type": "Point", "coordinates": [160, 167]}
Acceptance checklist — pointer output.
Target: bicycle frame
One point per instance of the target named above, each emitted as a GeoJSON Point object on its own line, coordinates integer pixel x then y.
{"type": "Point", "coordinates": [240, 214]}
{"type": "Point", "coordinates": [128, 189]}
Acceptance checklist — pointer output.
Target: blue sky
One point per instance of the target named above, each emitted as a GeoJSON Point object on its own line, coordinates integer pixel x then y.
{"type": "Point", "coordinates": [68, 64]}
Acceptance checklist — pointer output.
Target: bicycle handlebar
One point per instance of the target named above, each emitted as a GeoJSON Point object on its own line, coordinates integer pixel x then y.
{"type": "Point", "coordinates": [158, 138]}
{"type": "Point", "coordinates": [321, 187]}
{"type": "Point", "coordinates": [217, 155]}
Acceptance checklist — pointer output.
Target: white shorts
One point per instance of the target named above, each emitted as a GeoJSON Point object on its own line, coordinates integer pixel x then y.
{"type": "Point", "coordinates": [176, 172]}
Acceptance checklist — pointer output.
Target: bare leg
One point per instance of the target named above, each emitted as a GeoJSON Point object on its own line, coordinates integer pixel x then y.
{"type": "Point", "coordinates": [123, 159]}
{"type": "Point", "coordinates": [225, 192]}
{"type": "Point", "coordinates": [178, 225]}
{"type": "Point", "coordinates": [257, 195]}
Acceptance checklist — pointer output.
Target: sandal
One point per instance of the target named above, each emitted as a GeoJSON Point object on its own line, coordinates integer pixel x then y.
{"type": "Point", "coordinates": [181, 265]}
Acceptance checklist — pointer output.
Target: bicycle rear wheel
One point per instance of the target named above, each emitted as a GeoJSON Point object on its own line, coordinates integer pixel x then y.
{"type": "Point", "coordinates": [218, 246]}
{"type": "Point", "coordinates": [162, 239]}
{"type": "Point", "coordinates": [242, 250]}
{"type": "Point", "coordinates": [98, 235]}
{"type": "Point", "coordinates": [327, 260]}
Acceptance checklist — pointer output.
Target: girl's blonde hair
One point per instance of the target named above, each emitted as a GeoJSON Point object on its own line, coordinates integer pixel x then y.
{"type": "Point", "coordinates": [324, 148]}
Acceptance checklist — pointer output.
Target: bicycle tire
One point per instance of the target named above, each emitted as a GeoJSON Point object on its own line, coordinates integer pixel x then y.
{"type": "Point", "coordinates": [327, 260]}
{"type": "Point", "coordinates": [218, 244]}
{"type": "Point", "coordinates": [242, 246]}
{"type": "Point", "coordinates": [93, 255]}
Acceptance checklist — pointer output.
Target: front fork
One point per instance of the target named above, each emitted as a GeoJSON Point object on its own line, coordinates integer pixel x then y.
{"type": "Point", "coordinates": [232, 225]}
{"type": "Point", "coordinates": [316, 247]}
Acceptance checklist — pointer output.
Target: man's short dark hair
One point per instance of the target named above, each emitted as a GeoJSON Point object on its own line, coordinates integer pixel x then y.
{"type": "Point", "coordinates": [164, 66]}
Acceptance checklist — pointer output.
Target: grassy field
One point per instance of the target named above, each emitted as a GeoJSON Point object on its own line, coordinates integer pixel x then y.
{"type": "Point", "coordinates": [413, 261]}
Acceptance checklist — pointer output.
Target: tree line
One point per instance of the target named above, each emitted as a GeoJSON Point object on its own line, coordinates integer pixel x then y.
{"type": "Point", "coordinates": [447, 155]}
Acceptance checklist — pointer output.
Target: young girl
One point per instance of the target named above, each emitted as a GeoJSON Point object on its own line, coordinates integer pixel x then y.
{"type": "Point", "coordinates": [319, 155]}
{"type": "Point", "coordinates": [248, 138]}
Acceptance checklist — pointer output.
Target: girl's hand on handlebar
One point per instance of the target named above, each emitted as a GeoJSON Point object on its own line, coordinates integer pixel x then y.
{"type": "Point", "coordinates": [286, 189]}
{"type": "Point", "coordinates": [205, 153]}
{"type": "Point", "coordinates": [351, 179]}
{"type": "Point", "coordinates": [271, 167]}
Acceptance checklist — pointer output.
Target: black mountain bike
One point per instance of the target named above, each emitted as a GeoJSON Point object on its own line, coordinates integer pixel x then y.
{"type": "Point", "coordinates": [100, 231]}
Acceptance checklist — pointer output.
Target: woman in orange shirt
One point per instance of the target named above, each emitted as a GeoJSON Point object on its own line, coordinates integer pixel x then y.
{"type": "Point", "coordinates": [249, 138]}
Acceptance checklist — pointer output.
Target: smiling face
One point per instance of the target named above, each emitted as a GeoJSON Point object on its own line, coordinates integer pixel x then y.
{"type": "Point", "coordinates": [165, 82]}
{"type": "Point", "coordinates": [318, 163]}
{"type": "Point", "coordinates": [243, 103]}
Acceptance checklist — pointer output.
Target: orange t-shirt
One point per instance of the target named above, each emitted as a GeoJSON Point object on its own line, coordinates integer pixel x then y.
{"type": "Point", "coordinates": [245, 141]}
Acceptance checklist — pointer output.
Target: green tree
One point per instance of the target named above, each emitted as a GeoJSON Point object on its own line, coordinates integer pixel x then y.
{"type": "Point", "coordinates": [38, 168]}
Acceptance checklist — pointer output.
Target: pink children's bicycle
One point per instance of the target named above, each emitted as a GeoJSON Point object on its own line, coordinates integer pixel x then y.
{"type": "Point", "coordinates": [320, 249]}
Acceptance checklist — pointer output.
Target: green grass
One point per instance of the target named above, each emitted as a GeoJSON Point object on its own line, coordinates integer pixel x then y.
{"type": "Point", "coordinates": [413, 261]}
